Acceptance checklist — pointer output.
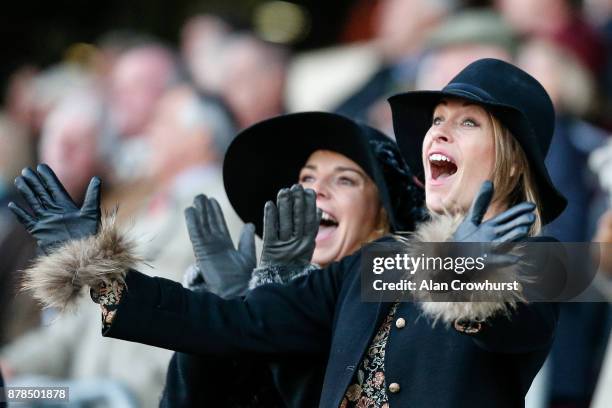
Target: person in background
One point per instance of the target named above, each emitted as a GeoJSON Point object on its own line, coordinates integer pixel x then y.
{"type": "Point", "coordinates": [454, 43]}
{"type": "Point", "coordinates": [600, 162]}
{"type": "Point", "coordinates": [253, 77]}
{"type": "Point", "coordinates": [202, 39]}
{"type": "Point", "coordinates": [138, 79]}
{"type": "Point", "coordinates": [18, 311]}
{"type": "Point", "coordinates": [460, 40]}
{"type": "Point", "coordinates": [577, 350]}
{"type": "Point", "coordinates": [189, 134]}
{"type": "Point", "coordinates": [49, 87]}
{"type": "Point", "coordinates": [600, 15]}
{"type": "Point", "coordinates": [70, 137]}
{"type": "Point", "coordinates": [400, 30]}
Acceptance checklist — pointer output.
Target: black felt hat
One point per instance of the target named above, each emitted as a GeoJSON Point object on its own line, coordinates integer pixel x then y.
{"type": "Point", "coordinates": [269, 155]}
{"type": "Point", "coordinates": [514, 97]}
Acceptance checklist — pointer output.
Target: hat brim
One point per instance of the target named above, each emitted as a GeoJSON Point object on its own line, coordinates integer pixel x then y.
{"type": "Point", "coordinates": [269, 155]}
{"type": "Point", "coordinates": [412, 118]}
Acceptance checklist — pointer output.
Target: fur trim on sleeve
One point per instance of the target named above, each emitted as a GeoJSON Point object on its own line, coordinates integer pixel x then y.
{"type": "Point", "coordinates": [440, 228]}
{"type": "Point", "coordinates": [57, 279]}
{"type": "Point", "coordinates": [278, 274]}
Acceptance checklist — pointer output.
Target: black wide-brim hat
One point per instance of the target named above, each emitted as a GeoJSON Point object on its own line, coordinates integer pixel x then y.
{"type": "Point", "coordinates": [514, 97]}
{"type": "Point", "coordinates": [269, 155]}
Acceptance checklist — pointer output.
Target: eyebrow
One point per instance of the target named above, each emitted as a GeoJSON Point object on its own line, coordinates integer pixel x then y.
{"type": "Point", "coordinates": [338, 169]}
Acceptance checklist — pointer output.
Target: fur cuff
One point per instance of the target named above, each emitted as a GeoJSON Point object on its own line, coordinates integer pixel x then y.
{"type": "Point", "coordinates": [440, 228]}
{"type": "Point", "coordinates": [278, 274]}
{"type": "Point", "coordinates": [56, 280]}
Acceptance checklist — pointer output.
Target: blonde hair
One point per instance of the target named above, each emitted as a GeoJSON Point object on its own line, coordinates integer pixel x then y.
{"type": "Point", "coordinates": [383, 226]}
{"type": "Point", "coordinates": [513, 178]}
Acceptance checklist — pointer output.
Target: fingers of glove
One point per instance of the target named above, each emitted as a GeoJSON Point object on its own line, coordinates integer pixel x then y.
{"type": "Point", "coordinates": [29, 196]}
{"type": "Point", "coordinates": [219, 223]}
{"type": "Point", "coordinates": [37, 186]}
{"type": "Point", "coordinates": [502, 260]}
{"type": "Point", "coordinates": [91, 203]}
{"type": "Point", "coordinates": [513, 212]}
{"type": "Point", "coordinates": [481, 203]}
{"type": "Point", "coordinates": [526, 219]}
{"type": "Point", "coordinates": [22, 216]}
{"type": "Point", "coordinates": [297, 191]}
{"type": "Point", "coordinates": [211, 219]}
{"type": "Point", "coordinates": [285, 214]}
{"type": "Point", "coordinates": [200, 204]}
{"type": "Point", "coordinates": [194, 226]}
{"type": "Point", "coordinates": [312, 214]}
{"type": "Point", "coordinates": [270, 232]}
{"type": "Point", "coordinates": [246, 244]}
{"type": "Point", "coordinates": [514, 235]}
{"type": "Point", "coordinates": [54, 186]}
{"type": "Point", "coordinates": [501, 247]}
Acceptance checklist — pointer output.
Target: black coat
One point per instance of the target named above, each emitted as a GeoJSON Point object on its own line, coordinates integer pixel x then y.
{"type": "Point", "coordinates": [244, 382]}
{"type": "Point", "coordinates": [322, 313]}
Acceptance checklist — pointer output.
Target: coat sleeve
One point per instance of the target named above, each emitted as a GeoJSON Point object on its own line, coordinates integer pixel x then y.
{"type": "Point", "coordinates": [530, 326]}
{"type": "Point", "coordinates": [271, 319]}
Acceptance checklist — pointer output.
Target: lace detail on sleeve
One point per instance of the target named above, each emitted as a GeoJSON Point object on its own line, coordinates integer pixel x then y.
{"type": "Point", "coordinates": [108, 296]}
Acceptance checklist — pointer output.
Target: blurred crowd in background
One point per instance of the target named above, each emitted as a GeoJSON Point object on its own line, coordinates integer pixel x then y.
{"type": "Point", "coordinates": [153, 121]}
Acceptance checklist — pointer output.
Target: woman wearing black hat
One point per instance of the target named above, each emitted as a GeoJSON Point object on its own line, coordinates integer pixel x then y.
{"type": "Point", "coordinates": [364, 190]}
{"type": "Point", "coordinates": [363, 186]}
{"type": "Point", "coordinates": [387, 354]}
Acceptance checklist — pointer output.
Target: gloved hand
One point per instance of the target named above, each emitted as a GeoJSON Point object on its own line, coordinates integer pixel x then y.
{"type": "Point", "coordinates": [56, 218]}
{"type": "Point", "coordinates": [224, 270]}
{"type": "Point", "coordinates": [511, 225]}
{"type": "Point", "coordinates": [290, 228]}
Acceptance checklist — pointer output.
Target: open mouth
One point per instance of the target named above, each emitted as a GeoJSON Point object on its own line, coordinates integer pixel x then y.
{"type": "Point", "coordinates": [441, 166]}
{"type": "Point", "coordinates": [327, 226]}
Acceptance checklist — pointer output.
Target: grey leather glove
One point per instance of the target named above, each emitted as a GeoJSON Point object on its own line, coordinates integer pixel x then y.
{"type": "Point", "coordinates": [290, 228]}
{"type": "Point", "coordinates": [56, 219]}
{"type": "Point", "coordinates": [511, 225]}
{"type": "Point", "coordinates": [224, 270]}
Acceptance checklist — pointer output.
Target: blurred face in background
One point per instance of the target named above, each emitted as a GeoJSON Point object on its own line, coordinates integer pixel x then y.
{"type": "Point", "coordinates": [253, 81]}
{"type": "Point", "coordinates": [202, 39]}
{"type": "Point", "coordinates": [439, 67]}
{"type": "Point", "coordinates": [175, 143]}
{"type": "Point", "coordinates": [138, 80]}
{"type": "Point", "coordinates": [402, 25]}
{"type": "Point", "coordinates": [533, 17]}
{"type": "Point", "coordinates": [69, 145]}
{"type": "Point", "coordinates": [349, 201]}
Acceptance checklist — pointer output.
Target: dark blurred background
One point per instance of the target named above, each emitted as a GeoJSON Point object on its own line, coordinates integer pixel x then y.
{"type": "Point", "coordinates": [39, 32]}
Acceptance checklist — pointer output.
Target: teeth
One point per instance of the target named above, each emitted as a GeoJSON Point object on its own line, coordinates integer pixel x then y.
{"type": "Point", "coordinates": [327, 217]}
{"type": "Point", "coordinates": [439, 157]}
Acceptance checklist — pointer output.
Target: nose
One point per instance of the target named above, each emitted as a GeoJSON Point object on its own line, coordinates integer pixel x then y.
{"type": "Point", "coordinates": [442, 133]}
{"type": "Point", "coordinates": [440, 137]}
{"type": "Point", "coordinates": [321, 188]}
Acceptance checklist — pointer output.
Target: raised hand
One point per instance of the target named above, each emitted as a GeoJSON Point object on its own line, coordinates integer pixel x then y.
{"type": "Point", "coordinates": [224, 270]}
{"type": "Point", "coordinates": [511, 225]}
{"type": "Point", "coordinates": [56, 219]}
{"type": "Point", "coordinates": [290, 228]}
